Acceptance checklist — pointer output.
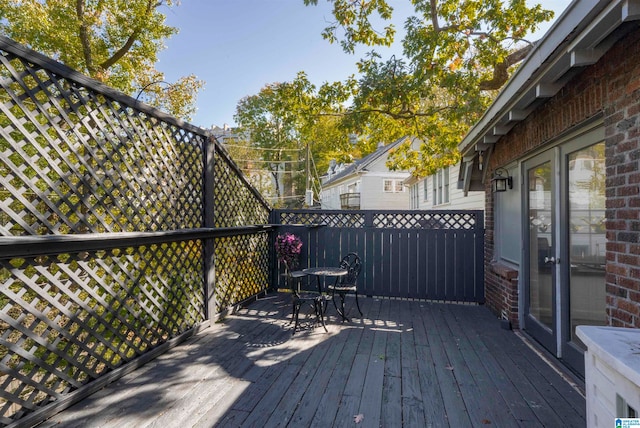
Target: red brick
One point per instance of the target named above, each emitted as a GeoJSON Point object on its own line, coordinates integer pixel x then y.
{"type": "Point", "coordinates": [622, 316]}
{"type": "Point", "coordinates": [629, 190]}
{"type": "Point", "coordinates": [628, 259]}
{"type": "Point", "coordinates": [629, 307]}
{"type": "Point", "coordinates": [627, 214]}
{"type": "Point", "coordinates": [616, 246]}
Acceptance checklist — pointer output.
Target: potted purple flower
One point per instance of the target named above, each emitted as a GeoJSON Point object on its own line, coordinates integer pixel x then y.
{"type": "Point", "coordinates": [288, 248]}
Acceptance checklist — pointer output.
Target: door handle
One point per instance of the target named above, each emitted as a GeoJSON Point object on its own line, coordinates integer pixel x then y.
{"type": "Point", "coordinates": [551, 260]}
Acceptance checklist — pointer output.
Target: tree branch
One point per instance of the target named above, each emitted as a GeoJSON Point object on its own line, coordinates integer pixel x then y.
{"type": "Point", "coordinates": [399, 115]}
{"type": "Point", "coordinates": [434, 15]}
{"type": "Point", "coordinates": [122, 51]}
{"type": "Point", "coordinates": [84, 34]}
{"type": "Point", "coordinates": [151, 5]}
{"type": "Point", "coordinates": [501, 69]}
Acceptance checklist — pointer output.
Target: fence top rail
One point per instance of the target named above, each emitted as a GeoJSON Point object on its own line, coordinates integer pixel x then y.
{"type": "Point", "coordinates": [318, 212]}
{"type": "Point", "coordinates": [30, 246]}
{"type": "Point", "coordinates": [385, 219]}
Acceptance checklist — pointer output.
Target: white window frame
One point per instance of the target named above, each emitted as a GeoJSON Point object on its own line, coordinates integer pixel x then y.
{"type": "Point", "coordinates": [425, 190]}
{"type": "Point", "coordinates": [441, 188]}
{"type": "Point", "coordinates": [414, 196]}
{"type": "Point", "coordinates": [394, 186]}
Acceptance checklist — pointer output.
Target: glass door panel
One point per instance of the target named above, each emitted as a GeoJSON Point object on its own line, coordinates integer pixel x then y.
{"type": "Point", "coordinates": [587, 241]}
{"type": "Point", "coordinates": [540, 240]}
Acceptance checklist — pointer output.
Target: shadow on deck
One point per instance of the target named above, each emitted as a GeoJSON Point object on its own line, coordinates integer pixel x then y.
{"type": "Point", "coordinates": [406, 363]}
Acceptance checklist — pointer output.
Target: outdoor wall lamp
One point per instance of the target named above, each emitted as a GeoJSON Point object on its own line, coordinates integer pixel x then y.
{"type": "Point", "coordinates": [501, 180]}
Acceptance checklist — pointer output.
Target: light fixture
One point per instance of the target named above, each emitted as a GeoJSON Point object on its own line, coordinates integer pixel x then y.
{"type": "Point", "coordinates": [501, 180]}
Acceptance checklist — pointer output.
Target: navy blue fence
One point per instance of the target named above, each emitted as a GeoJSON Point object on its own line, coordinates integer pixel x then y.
{"type": "Point", "coordinates": [434, 255]}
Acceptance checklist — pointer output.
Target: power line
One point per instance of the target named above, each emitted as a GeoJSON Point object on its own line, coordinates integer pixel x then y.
{"type": "Point", "coordinates": [268, 161]}
{"type": "Point", "coordinates": [262, 148]}
{"type": "Point", "coordinates": [269, 170]}
{"type": "Point", "coordinates": [289, 197]}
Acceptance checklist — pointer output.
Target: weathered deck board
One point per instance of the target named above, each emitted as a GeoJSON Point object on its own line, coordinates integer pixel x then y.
{"type": "Point", "coordinates": [404, 363]}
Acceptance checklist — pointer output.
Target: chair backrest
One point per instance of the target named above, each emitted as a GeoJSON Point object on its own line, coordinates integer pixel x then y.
{"type": "Point", "coordinates": [351, 262]}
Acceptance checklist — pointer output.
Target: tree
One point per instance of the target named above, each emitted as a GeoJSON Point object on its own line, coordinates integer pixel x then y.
{"type": "Point", "coordinates": [269, 120]}
{"type": "Point", "coordinates": [281, 121]}
{"type": "Point", "coordinates": [113, 41]}
{"type": "Point", "coordinates": [458, 53]}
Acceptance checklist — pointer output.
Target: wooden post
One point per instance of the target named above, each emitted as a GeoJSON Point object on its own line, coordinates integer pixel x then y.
{"type": "Point", "coordinates": [209, 151]}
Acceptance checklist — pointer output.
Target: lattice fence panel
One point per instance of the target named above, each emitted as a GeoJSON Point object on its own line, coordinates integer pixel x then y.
{"type": "Point", "coordinates": [426, 220]}
{"type": "Point", "coordinates": [342, 219]}
{"type": "Point", "coordinates": [67, 319]}
{"type": "Point", "coordinates": [77, 158]}
{"type": "Point", "coordinates": [242, 268]}
{"type": "Point", "coordinates": [234, 203]}
{"type": "Point", "coordinates": [73, 160]}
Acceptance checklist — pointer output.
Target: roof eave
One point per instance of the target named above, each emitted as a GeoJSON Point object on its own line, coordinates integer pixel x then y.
{"type": "Point", "coordinates": [579, 38]}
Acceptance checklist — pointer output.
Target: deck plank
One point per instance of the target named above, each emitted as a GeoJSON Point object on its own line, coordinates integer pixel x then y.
{"type": "Point", "coordinates": [371, 402]}
{"type": "Point", "coordinates": [404, 363]}
{"type": "Point", "coordinates": [413, 408]}
{"type": "Point", "coordinates": [509, 351]}
{"type": "Point", "coordinates": [455, 409]}
{"type": "Point", "coordinates": [392, 392]}
{"type": "Point", "coordinates": [329, 403]}
{"type": "Point", "coordinates": [485, 392]}
{"type": "Point", "coordinates": [514, 401]}
{"type": "Point", "coordinates": [431, 395]}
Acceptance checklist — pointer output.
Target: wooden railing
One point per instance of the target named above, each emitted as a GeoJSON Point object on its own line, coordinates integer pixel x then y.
{"type": "Point", "coordinates": [350, 201]}
{"type": "Point", "coordinates": [122, 232]}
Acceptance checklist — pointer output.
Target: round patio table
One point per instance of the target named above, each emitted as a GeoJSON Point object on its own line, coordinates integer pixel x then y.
{"type": "Point", "coordinates": [321, 273]}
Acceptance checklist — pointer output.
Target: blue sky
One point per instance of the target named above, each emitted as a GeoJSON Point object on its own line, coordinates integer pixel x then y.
{"type": "Point", "coordinates": [239, 46]}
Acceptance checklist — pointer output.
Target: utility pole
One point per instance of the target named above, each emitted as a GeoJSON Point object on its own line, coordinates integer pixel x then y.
{"type": "Point", "coordinates": [308, 194]}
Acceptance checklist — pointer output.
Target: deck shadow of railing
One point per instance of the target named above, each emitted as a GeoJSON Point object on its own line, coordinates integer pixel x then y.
{"type": "Point", "coordinates": [233, 355]}
{"type": "Point", "coordinates": [410, 362]}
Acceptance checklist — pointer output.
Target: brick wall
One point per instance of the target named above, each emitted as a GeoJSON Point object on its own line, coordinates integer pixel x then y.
{"type": "Point", "coordinates": [610, 87]}
{"type": "Point", "coordinates": [622, 131]}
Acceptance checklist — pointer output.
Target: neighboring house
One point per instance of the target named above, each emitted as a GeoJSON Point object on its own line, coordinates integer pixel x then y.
{"type": "Point", "coordinates": [440, 191]}
{"type": "Point", "coordinates": [225, 134]}
{"type": "Point", "coordinates": [563, 241]}
{"type": "Point", "coordinates": [367, 183]}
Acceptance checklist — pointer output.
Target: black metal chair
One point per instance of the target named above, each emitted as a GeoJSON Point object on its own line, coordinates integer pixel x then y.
{"type": "Point", "coordinates": [302, 293]}
{"type": "Point", "coordinates": [346, 284]}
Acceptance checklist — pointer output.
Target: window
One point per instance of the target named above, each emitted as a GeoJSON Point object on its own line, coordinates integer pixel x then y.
{"type": "Point", "coordinates": [441, 187]}
{"type": "Point", "coordinates": [414, 194]}
{"type": "Point", "coordinates": [393, 186]}
{"type": "Point", "coordinates": [425, 190]}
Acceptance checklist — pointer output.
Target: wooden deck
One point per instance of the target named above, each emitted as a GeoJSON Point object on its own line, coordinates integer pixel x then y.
{"type": "Point", "coordinates": [406, 363]}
